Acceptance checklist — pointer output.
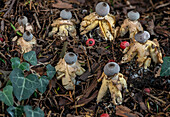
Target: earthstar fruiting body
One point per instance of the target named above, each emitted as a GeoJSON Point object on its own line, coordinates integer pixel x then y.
{"type": "Point", "coordinates": [143, 48]}
{"type": "Point", "coordinates": [101, 18]}
{"type": "Point", "coordinates": [113, 81]}
{"type": "Point", "coordinates": [23, 25]}
{"type": "Point", "coordinates": [67, 69]}
{"type": "Point", "coordinates": [27, 42]}
{"type": "Point", "coordinates": [131, 24]}
{"type": "Point", "coordinates": [63, 26]}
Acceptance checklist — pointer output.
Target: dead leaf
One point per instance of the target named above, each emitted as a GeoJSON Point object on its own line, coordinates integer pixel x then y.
{"type": "Point", "coordinates": [62, 5]}
{"type": "Point", "coordinates": [124, 111]}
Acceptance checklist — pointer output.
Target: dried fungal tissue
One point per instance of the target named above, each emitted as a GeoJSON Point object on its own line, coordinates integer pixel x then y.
{"type": "Point", "coordinates": [102, 19]}
{"type": "Point", "coordinates": [144, 49]}
{"type": "Point", "coordinates": [113, 81]}
{"type": "Point", "coordinates": [64, 26]}
{"type": "Point", "coordinates": [27, 42]}
{"type": "Point", "coordinates": [131, 24]}
{"type": "Point", "coordinates": [67, 69]}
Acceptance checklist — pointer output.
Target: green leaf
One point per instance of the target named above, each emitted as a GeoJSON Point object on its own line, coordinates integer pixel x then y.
{"type": "Point", "coordinates": [37, 112]}
{"type": "Point", "coordinates": [50, 71]}
{"type": "Point", "coordinates": [15, 29]}
{"type": "Point", "coordinates": [165, 70]}
{"type": "Point", "coordinates": [23, 87]}
{"type": "Point", "coordinates": [24, 66]}
{"type": "Point", "coordinates": [6, 96]}
{"type": "Point", "coordinates": [43, 82]}
{"type": "Point", "coordinates": [2, 60]}
{"type": "Point", "coordinates": [31, 57]}
{"type": "Point", "coordinates": [15, 62]}
{"type": "Point", "coordinates": [16, 111]}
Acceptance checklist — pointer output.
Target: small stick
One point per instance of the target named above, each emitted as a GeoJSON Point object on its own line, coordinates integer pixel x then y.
{"type": "Point", "coordinates": [64, 49]}
{"type": "Point", "coordinates": [152, 96]}
{"type": "Point", "coordinates": [30, 4]}
{"type": "Point", "coordinates": [49, 113]}
{"type": "Point", "coordinates": [5, 15]}
{"type": "Point", "coordinates": [36, 19]}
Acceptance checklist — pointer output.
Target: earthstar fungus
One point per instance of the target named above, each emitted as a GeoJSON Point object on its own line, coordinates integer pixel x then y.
{"type": "Point", "coordinates": [112, 80]}
{"type": "Point", "coordinates": [144, 49]}
{"type": "Point", "coordinates": [23, 24]}
{"type": "Point", "coordinates": [131, 24]}
{"type": "Point", "coordinates": [100, 18]}
{"type": "Point", "coordinates": [64, 26]}
{"type": "Point", "coordinates": [27, 42]}
{"type": "Point", "coordinates": [67, 69]}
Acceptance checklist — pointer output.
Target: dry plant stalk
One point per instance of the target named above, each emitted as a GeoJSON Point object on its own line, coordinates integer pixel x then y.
{"type": "Point", "coordinates": [68, 73]}
{"type": "Point", "coordinates": [115, 85]}
{"type": "Point", "coordinates": [143, 51]}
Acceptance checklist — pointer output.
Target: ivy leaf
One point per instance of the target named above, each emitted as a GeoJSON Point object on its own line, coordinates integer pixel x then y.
{"type": "Point", "coordinates": [24, 66]}
{"type": "Point", "coordinates": [43, 81]}
{"type": "Point", "coordinates": [23, 87]}
{"type": "Point", "coordinates": [31, 57]}
{"type": "Point", "coordinates": [50, 71]}
{"type": "Point", "coordinates": [15, 62]}
{"type": "Point", "coordinates": [37, 112]}
{"type": "Point", "coordinates": [165, 70]}
{"type": "Point", "coordinates": [16, 111]}
{"type": "Point", "coordinates": [6, 96]}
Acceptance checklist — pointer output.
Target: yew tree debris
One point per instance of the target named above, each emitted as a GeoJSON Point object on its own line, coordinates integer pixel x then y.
{"type": "Point", "coordinates": [114, 81]}
{"type": "Point", "coordinates": [131, 24]}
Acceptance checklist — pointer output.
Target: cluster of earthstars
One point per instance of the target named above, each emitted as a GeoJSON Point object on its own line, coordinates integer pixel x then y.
{"type": "Point", "coordinates": [68, 67]}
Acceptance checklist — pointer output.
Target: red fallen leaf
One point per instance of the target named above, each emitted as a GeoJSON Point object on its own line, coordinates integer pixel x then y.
{"type": "Point", "coordinates": [90, 42]}
{"type": "Point", "coordinates": [104, 115]}
{"type": "Point", "coordinates": [62, 5]}
{"type": "Point", "coordinates": [124, 44]}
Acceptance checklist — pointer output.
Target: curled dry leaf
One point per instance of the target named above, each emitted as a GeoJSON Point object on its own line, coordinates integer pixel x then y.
{"type": "Point", "coordinates": [106, 24]}
{"type": "Point", "coordinates": [62, 5]}
{"type": "Point", "coordinates": [132, 26]}
{"type": "Point", "coordinates": [143, 51]}
{"type": "Point", "coordinates": [63, 28]}
{"type": "Point", "coordinates": [26, 46]}
{"type": "Point", "coordinates": [114, 85]}
{"type": "Point", "coordinates": [68, 73]}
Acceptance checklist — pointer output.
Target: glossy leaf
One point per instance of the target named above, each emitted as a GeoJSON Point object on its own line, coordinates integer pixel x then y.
{"type": "Point", "coordinates": [37, 112]}
{"type": "Point", "coordinates": [23, 87]}
{"type": "Point", "coordinates": [165, 70]}
{"type": "Point", "coordinates": [6, 95]}
{"type": "Point", "coordinates": [24, 66]}
{"type": "Point", "coordinates": [50, 71]}
{"type": "Point", "coordinates": [43, 82]}
{"type": "Point", "coordinates": [16, 111]}
{"type": "Point", "coordinates": [15, 62]}
{"type": "Point", "coordinates": [31, 57]}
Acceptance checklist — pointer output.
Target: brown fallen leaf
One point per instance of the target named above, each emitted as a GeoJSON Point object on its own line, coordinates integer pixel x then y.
{"type": "Point", "coordinates": [124, 111]}
{"type": "Point", "coordinates": [62, 5]}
